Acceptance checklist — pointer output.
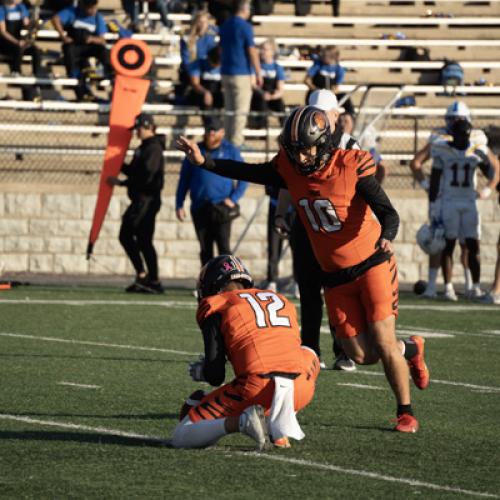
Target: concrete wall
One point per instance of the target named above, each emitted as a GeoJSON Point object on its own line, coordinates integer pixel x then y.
{"type": "Point", "coordinates": [47, 231]}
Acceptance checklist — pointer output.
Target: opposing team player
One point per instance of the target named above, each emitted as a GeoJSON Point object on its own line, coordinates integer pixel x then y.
{"type": "Point", "coordinates": [477, 137]}
{"type": "Point", "coordinates": [453, 194]}
{"type": "Point", "coordinates": [257, 331]}
{"type": "Point", "coordinates": [335, 194]}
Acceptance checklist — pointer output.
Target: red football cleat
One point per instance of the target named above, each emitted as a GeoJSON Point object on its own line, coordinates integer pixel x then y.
{"type": "Point", "coordinates": [406, 423]}
{"type": "Point", "coordinates": [418, 368]}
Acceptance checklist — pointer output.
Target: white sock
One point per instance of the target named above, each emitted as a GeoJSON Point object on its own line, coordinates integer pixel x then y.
{"type": "Point", "coordinates": [468, 279]}
{"type": "Point", "coordinates": [198, 435]}
{"type": "Point", "coordinates": [477, 287]}
{"type": "Point", "coordinates": [433, 273]}
{"type": "Point", "coordinates": [449, 287]}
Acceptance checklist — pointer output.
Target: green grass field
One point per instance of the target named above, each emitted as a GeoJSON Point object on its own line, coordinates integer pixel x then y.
{"type": "Point", "coordinates": [128, 358]}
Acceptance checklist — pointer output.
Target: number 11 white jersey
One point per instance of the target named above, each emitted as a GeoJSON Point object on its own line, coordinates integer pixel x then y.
{"type": "Point", "coordinates": [459, 168]}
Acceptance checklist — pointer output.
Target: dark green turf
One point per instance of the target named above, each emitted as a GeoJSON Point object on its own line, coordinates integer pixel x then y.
{"type": "Point", "coordinates": [141, 392]}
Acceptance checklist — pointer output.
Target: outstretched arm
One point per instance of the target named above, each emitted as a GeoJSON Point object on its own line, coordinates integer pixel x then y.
{"type": "Point", "coordinates": [258, 173]}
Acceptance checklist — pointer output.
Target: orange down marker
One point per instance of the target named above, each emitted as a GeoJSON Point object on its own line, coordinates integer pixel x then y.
{"type": "Point", "coordinates": [131, 60]}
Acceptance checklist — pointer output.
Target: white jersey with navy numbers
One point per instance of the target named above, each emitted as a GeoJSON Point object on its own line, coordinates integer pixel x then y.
{"type": "Point", "coordinates": [459, 167]}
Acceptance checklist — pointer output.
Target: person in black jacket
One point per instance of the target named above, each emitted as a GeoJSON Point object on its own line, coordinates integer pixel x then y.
{"type": "Point", "coordinates": [145, 178]}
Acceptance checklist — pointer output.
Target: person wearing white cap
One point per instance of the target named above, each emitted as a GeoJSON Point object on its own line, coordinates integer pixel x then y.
{"type": "Point", "coordinates": [456, 151]}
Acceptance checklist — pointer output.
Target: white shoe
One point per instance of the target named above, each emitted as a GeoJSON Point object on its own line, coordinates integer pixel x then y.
{"type": "Point", "coordinates": [271, 285]}
{"type": "Point", "coordinates": [253, 424]}
{"type": "Point", "coordinates": [296, 291]}
{"type": "Point", "coordinates": [195, 293]}
{"type": "Point", "coordinates": [429, 293]}
{"type": "Point", "coordinates": [450, 295]}
{"type": "Point", "coordinates": [490, 298]}
{"type": "Point", "coordinates": [474, 294]}
{"type": "Point", "coordinates": [342, 362]}
{"type": "Point", "coordinates": [322, 365]}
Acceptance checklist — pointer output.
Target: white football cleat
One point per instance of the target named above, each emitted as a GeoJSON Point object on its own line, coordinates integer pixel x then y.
{"type": "Point", "coordinates": [450, 295]}
{"type": "Point", "coordinates": [272, 286]}
{"type": "Point", "coordinates": [253, 424]}
{"type": "Point", "coordinates": [322, 365]}
{"type": "Point", "coordinates": [342, 362]}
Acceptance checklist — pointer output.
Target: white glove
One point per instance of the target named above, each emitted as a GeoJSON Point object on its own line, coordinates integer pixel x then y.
{"type": "Point", "coordinates": [195, 369]}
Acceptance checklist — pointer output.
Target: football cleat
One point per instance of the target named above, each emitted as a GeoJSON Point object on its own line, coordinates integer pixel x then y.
{"type": "Point", "coordinates": [418, 369]}
{"type": "Point", "coordinates": [429, 293]}
{"type": "Point", "coordinates": [474, 293]}
{"type": "Point", "coordinates": [450, 295]}
{"type": "Point", "coordinates": [343, 363]}
{"type": "Point", "coordinates": [282, 442]}
{"type": "Point", "coordinates": [406, 423]}
{"type": "Point", "coordinates": [253, 424]}
{"type": "Point", "coordinates": [490, 298]}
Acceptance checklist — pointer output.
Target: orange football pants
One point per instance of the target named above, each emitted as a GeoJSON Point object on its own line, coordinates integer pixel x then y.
{"type": "Point", "coordinates": [371, 297]}
{"type": "Point", "coordinates": [233, 398]}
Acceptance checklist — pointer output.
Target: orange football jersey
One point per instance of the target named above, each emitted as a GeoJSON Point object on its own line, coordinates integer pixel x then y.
{"type": "Point", "coordinates": [341, 226]}
{"type": "Point", "coordinates": [260, 330]}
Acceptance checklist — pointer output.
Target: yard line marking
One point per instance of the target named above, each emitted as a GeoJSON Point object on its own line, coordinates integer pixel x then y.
{"type": "Point", "coordinates": [78, 427]}
{"type": "Point", "coordinates": [98, 344]}
{"type": "Point", "coordinates": [371, 475]}
{"type": "Point", "coordinates": [435, 381]}
{"type": "Point", "coordinates": [361, 386]}
{"type": "Point", "coordinates": [492, 332]}
{"type": "Point", "coordinates": [264, 456]}
{"type": "Point", "coordinates": [82, 386]}
{"type": "Point", "coordinates": [448, 308]}
{"type": "Point", "coordinates": [407, 332]}
{"type": "Point", "coordinates": [166, 303]}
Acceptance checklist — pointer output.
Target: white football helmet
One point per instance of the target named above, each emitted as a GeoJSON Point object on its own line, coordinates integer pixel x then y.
{"type": "Point", "coordinates": [431, 239]}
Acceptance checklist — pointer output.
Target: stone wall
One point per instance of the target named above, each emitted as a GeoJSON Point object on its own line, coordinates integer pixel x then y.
{"type": "Point", "coordinates": [46, 232]}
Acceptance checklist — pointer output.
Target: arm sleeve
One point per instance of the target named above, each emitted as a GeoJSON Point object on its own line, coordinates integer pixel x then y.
{"type": "Point", "coordinates": [24, 11]}
{"type": "Point", "coordinates": [184, 52]}
{"type": "Point", "coordinates": [371, 191]}
{"type": "Point", "coordinates": [280, 73]}
{"type": "Point", "coordinates": [183, 185]}
{"type": "Point", "coordinates": [214, 368]}
{"type": "Point", "coordinates": [258, 173]}
{"type": "Point", "coordinates": [313, 70]}
{"type": "Point", "coordinates": [2, 13]}
{"type": "Point", "coordinates": [101, 27]}
{"type": "Point", "coordinates": [249, 41]}
{"type": "Point", "coordinates": [434, 184]}
{"type": "Point", "coordinates": [65, 16]}
{"type": "Point", "coordinates": [194, 68]}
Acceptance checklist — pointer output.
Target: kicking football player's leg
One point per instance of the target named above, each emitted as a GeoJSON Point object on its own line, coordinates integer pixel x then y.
{"type": "Point", "coordinates": [347, 315]}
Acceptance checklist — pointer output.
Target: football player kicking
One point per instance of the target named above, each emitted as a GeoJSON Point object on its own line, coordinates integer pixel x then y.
{"type": "Point", "coordinates": [335, 194]}
{"type": "Point", "coordinates": [257, 331]}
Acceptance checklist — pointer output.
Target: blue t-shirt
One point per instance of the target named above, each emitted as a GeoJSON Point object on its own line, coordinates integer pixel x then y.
{"type": "Point", "coordinates": [236, 36]}
{"type": "Point", "coordinates": [13, 13]}
{"type": "Point", "coordinates": [205, 186]}
{"type": "Point", "coordinates": [204, 70]}
{"type": "Point", "coordinates": [333, 72]}
{"type": "Point", "coordinates": [272, 71]}
{"type": "Point", "coordinates": [203, 45]}
{"type": "Point", "coordinates": [73, 16]}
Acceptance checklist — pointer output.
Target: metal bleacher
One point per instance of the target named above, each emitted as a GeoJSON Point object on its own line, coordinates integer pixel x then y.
{"type": "Point", "coordinates": [63, 141]}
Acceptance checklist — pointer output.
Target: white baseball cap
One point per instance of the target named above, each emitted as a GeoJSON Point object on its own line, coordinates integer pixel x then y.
{"type": "Point", "coordinates": [458, 108]}
{"type": "Point", "coordinates": [324, 99]}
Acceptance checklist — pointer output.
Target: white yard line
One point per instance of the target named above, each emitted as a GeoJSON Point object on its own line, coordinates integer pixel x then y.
{"type": "Point", "coordinates": [435, 381]}
{"type": "Point", "coordinates": [262, 456]}
{"type": "Point", "coordinates": [174, 304]}
{"type": "Point", "coordinates": [97, 344]}
{"type": "Point", "coordinates": [80, 386]}
{"type": "Point", "coordinates": [361, 386]}
{"type": "Point", "coordinates": [191, 304]}
{"type": "Point", "coordinates": [408, 332]}
{"type": "Point", "coordinates": [492, 332]}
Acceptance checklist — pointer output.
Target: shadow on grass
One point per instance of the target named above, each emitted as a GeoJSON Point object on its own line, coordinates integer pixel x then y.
{"type": "Point", "coordinates": [83, 437]}
{"type": "Point", "coordinates": [101, 358]}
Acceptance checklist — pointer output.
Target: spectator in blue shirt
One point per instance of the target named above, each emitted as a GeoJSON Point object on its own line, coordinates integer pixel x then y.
{"type": "Point", "coordinates": [239, 58]}
{"type": "Point", "coordinates": [195, 45]}
{"type": "Point", "coordinates": [268, 97]}
{"type": "Point", "coordinates": [213, 198]}
{"type": "Point", "coordinates": [82, 31]}
{"type": "Point", "coordinates": [14, 17]}
{"type": "Point", "coordinates": [206, 81]}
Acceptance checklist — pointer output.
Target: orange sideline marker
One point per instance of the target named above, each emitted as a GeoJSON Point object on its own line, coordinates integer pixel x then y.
{"type": "Point", "coordinates": [131, 59]}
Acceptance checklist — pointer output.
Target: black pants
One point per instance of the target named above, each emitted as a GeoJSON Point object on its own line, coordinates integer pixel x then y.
{"type": "Point", "coordinates": [16, 53]}
{"type": "Point", "coordinates": [209, 233]}
{"type": "Point", "coordinates": [76, 58]}
{"type": "Point", "coordinates": [307, 273]}
{"type": "Point", "coordinates": [258, 103]}
{"type": "Point", "coordinates": [136, 234]}
{"type": "Point", "coordinates": [274, 246]}
{"type": "Point", "coordinates": [336, 7]}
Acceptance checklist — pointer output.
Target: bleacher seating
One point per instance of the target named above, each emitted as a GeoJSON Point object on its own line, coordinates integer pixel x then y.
{"type": "Point", "coordinates": [71, 136]}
